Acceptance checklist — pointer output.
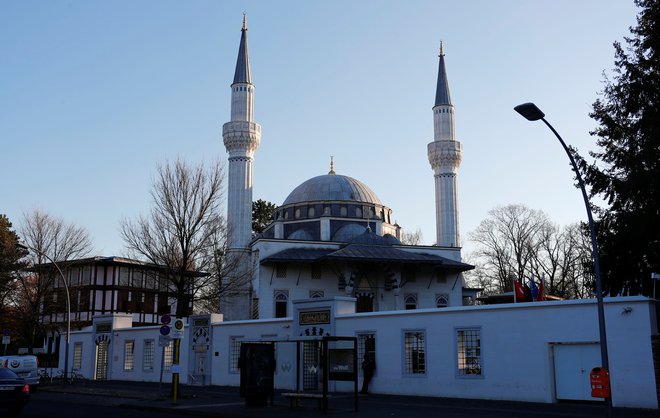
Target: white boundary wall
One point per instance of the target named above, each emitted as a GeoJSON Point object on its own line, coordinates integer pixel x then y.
{"type": "Point", "coordinates": [516, 343]}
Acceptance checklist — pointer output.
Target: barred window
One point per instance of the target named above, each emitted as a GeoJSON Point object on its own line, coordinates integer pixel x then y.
{"type": "Point", "coordinates": [255, 308]}
{"type": "Point", "coordinates": [129, 347]}
{"type": "Point", "coordinates": [280, 270]}
{"type": "Point", "coordinates": [148, 355]}
{"type": "Point", "coordinates": [469, 352]}
{"type": "Point", "coordinates": [77, 356]}
{"type": "Point", "coordinates": [366, 343]}
{"type": "Point", "coordinates": [316, 272]}
{"type": "Point", "coordinates": [234, 353]}
{"type": "Point", "coordinates": [441, 301]}
{"type": "Point", "coordinates": [411, 301]}
{"type": "Point", "coordinates": [415, 348]}
{"type": "Point", "coordinates": [169, 356]}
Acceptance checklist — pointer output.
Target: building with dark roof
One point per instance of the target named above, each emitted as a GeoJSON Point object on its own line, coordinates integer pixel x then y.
{"type": "Point", "coordinates": [332, 235]}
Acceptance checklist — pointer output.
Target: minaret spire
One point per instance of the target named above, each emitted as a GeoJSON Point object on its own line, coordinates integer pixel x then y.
{"type": "Point", "coordinates": [332, 165]}
{"type": "Point", "coordinates": [445, 155]}
{"type": "Point", "coordinates": [241, 137]}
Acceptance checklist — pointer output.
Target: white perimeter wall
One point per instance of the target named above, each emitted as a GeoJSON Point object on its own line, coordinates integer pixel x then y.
{"type": "Point", "coordinates": [516, 346]}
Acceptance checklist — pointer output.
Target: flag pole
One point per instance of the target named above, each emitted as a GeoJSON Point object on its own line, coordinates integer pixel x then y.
{"type": "Point", "coordinates": [515, 299]}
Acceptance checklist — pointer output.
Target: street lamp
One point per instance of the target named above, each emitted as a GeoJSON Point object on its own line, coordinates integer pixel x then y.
{"type": "Point", "coordinates": [532, 113]}
{"type": "Point", "coordinates": [68, 306]}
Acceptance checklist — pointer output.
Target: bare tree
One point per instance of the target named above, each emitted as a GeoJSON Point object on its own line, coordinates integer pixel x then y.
{"type": "Point", "coordinates": [515, 241]}
{"type": "Point", "coordinates": [508, 241]}
{"type": "Point", "coordinates": [47, 237]}
{"type": "Point", "coordinates": [185, 230]}
{"type": "Point", "coordinates": [412, 238]}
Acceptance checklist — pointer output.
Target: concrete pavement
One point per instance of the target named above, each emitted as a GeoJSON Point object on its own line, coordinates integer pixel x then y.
{"type": "Point", "coordinates": [215, 401]}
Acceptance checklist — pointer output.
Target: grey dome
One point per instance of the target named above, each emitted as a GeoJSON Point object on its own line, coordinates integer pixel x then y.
{"type": "Point", "coordinates": [332, 187]}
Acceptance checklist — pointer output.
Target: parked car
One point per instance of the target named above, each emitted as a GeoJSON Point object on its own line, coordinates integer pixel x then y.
{"type": "Point", "coordinates": [25, 366]}
{"type": "Point", "coordinates": [14, 391]}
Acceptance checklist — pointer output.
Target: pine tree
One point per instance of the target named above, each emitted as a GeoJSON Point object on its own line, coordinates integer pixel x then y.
{"type": "Point", "coordinates": [11, 255]}
{"type": "Point", "coordinates": [626, 172]}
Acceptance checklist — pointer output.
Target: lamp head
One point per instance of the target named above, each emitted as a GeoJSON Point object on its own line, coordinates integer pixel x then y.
{"type": "Point", "coordinates": [529, 111]}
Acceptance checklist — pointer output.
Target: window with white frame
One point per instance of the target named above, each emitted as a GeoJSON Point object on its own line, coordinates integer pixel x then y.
{"type": "Point", "coordinates": [281, 300]}
{"type": "Point", "coordinates": [441, 300]}
{"type": "Point", "coordinates": [469, 351]}
{"type": "Point", "coordinates": [169, 356]}
{"type": "Point", "coordinates": [77, 356]}
{"type": "Point", "coordinates": [415, 352]}
{"type": "Point", "coordinates": [411, 301]}
{"type": "Point", "coordinates": [148, 355]}
{"type": "Point", "coordinates": [234, 353]}
{"type": "Point", "coordinates": [129, 348]}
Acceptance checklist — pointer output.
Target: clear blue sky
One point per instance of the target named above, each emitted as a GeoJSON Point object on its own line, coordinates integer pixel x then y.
{"type": "Point", "coordinates": [93, 94]}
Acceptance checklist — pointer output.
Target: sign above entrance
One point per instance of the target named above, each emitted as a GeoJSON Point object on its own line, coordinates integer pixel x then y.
{"type": "Point", "coordinates": [314, 317]}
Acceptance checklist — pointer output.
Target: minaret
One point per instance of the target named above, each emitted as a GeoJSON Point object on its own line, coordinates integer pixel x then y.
{"type": "Point", "coordinates": [241, 136]}
{"type": "Point", "coordinates": [445, 154]}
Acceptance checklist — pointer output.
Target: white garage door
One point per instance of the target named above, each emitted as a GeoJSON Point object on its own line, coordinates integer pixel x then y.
{"type": "Point", "coordinates": [573, 363]}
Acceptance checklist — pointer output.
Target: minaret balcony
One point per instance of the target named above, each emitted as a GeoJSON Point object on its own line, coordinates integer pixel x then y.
{"type": "Point", "coordinates": [445, 155]}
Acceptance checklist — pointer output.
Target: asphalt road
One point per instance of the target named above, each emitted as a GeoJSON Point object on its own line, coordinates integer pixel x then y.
{"type": "Point", "coordinates": [133, 399]}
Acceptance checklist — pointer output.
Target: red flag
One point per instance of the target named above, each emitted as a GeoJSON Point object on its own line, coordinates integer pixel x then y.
{"type": "Point", "coordinates": [520, 291]}
{"type": "Point", "coordinates": [541, 295]}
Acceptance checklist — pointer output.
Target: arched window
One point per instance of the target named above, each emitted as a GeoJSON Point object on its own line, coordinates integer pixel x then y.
{"type": "Point", "coordinates": [441, 301]}
{"type": "Point", "coordinates": [411, 301]}
{"type": "Point", "coordinates": [281, 298]}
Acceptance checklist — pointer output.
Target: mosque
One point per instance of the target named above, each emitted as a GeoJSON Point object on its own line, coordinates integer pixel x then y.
{"type": "Point", "coordinates": [332, 265]}
{"type": "Point", "coordinates": [333, 236]}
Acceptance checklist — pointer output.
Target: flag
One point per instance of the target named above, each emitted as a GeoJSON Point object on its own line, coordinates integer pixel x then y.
{"type": "Point", "coordinates": [518, 292]}
{"type": "Point", "coordinates": [532, 286]}
{"type": "Point", "coordinates": [541, 295]}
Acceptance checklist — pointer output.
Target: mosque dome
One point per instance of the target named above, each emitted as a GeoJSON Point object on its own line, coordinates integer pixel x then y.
{"type": "Point", "coordinates": [332, 187]}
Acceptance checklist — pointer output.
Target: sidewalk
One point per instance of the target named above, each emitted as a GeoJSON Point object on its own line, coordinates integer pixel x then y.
{"type": "Point", "coordinates": [214, 401]}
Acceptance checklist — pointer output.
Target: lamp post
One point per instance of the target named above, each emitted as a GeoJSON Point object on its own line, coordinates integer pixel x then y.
{"type": "Point", "coordinates": [532, 113]}
{"type": "Point", "coordinates": [68, 307]}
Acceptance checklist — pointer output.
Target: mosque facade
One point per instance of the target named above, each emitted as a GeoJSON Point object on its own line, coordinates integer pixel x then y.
{"type": "Point", "coordinates": [332, 235]}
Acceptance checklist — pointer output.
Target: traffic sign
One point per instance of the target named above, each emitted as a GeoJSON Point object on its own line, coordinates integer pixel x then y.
{"type": "Point", "coordinates": [6, 339]}
{"type": "Point", "coordinates": [177, 331]}
{"type": "Point", "coordinates": [165, 319]}
{"type": "Point", "coordinates": [165, 330]}
{"type": "Point", "coordinates": [164, 340]}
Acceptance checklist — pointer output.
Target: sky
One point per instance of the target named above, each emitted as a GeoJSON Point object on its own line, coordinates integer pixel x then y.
{"type": "Point", "coordinates": [95, 94]}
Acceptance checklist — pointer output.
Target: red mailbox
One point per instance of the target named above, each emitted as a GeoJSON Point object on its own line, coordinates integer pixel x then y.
{"type": "Point", "coordinates": [600, 383]}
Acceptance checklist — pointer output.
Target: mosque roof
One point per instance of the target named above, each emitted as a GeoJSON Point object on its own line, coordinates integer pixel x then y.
{"type": "Point", "coordinates": [361, 253]}
{"type": "Point", "coordinates": [332, 187]}
{"type": "Point", "coordinates": [442, 96]}
{"type": "Point", "coordinates": [242, 73]}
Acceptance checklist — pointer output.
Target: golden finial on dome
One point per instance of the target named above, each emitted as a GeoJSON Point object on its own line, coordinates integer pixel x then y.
{"type": "Point", "coordinates": [332, 166]}
{"type": "Point", "coordinates": [244, 21]}
{"type": "Point", "coordinates": [442, 49]}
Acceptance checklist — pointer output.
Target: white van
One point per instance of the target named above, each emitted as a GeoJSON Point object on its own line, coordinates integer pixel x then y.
{"type": "Point", "coordinates": [24, 366]}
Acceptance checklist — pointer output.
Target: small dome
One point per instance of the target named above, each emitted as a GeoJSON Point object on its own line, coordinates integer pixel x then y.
{"type": "Point", "coordinates": [301, 235]}
{"type": "Point", "coordinates": [332, 187]}
{"type": "Point", "coordinates": [348, 232]}
{"type": "Point", "coordinates": [368, 237]}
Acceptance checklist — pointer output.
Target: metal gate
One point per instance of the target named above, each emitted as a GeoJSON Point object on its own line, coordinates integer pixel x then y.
{"type": "Point", "coordinates": [102, 348]}
{"type": "Point", "coordinates": [572, 363]}
{"type": "Point", "coordinates": [311, 363]}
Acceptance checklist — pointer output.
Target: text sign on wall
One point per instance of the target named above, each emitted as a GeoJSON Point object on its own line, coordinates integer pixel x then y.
{"type": "Point", "coordinates": [314, 317]}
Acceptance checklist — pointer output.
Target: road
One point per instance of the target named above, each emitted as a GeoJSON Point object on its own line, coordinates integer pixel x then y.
{"type": "Point", "coordinates": [140, 400]}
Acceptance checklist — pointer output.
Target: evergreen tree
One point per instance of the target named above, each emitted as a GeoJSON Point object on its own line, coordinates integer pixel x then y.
{"type": "Point", "coordinates": [626, 172]}
{"type": "Point", "coordinates": [262, 215]}
{"type": "Point", "coordinates": [11, 256]}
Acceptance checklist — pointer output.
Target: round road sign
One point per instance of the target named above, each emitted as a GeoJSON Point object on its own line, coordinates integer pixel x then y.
{"type": "Point", "coordinates": [165, 319]}
{"type": "Point", "coordinates": [165, 330]}
{"type": "Point", "coordinates": [178, 324]}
